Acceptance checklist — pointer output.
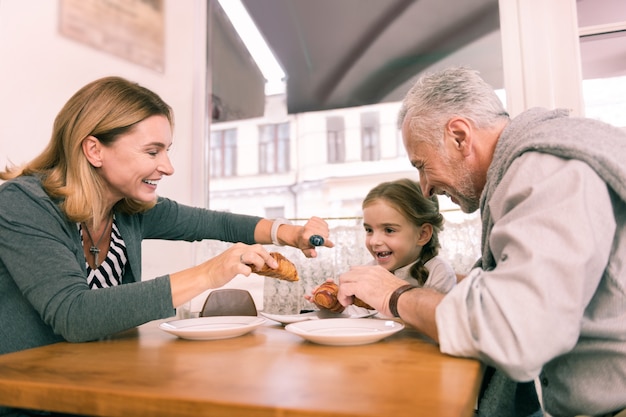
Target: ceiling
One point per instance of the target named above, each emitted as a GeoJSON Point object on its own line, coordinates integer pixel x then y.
{"type": "Point", "coordinates": [345, 53]}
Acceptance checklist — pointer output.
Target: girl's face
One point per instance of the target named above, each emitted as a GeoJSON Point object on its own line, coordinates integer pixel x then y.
{"type": "Point", "coordinates": [135, 163]}
{"type": "Point", "coordinates": [392, 240]}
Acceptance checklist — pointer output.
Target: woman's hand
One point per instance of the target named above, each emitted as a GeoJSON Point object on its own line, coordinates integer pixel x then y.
{"type": "Point", "coordinates": [219, 270]}
{"type": "Point", "coordinates": [238, 259]}
{"type": "Point", "coordinates": [315, 226]}
{"type": "Point", "coordinates": [294, 235]}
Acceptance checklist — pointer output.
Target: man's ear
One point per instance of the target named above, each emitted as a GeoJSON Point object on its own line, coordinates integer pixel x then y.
{"type": "Point", "coordinates": [459, 130]}
{"type": "Point", "coordinates": [425, 234]}
{"type": "Point", "coordinates": [92, 150]}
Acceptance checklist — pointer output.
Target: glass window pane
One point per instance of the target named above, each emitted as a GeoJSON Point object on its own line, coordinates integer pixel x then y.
{"type": "Point", "coordinates": [215, 166]}
{"type": "Point", "coordinates": [335, 139]}
{"type": "Point", "coordinates": [602, 51]}
{"type": "Point", "coordinates": [605, 100]}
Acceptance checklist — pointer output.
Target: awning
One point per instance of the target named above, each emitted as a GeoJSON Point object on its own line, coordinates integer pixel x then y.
{"type": "Point", "coordinates": [345, 53]}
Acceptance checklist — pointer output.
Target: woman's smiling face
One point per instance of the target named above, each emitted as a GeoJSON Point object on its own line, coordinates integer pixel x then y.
{"type": "Point", "coordinates": [391, 239]}
{"type": "Point", "coordinates": [132, 166]}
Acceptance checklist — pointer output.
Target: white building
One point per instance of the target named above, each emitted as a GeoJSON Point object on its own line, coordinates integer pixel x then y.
{"type": "Point", "coordinates": [308, 164]}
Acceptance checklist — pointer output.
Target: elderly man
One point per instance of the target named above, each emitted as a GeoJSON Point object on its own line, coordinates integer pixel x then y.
{"type": "Point", "coordinates": [547, 299]}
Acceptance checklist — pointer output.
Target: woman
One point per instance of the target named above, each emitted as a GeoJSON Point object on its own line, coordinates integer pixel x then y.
{"type": "Point", "coordinates": [72, 221]}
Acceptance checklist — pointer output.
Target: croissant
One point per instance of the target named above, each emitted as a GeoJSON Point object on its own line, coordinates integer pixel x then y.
{"type": "Point", "coordinates": [325, 296]}
{"type": "Point", "coordinates": [286, 269]}
{"type": "Point", "coordinates": [360, 303]}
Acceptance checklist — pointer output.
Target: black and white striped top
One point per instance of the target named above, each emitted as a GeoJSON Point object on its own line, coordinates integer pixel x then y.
{"type": "Point", "coordinates": [110, 272]}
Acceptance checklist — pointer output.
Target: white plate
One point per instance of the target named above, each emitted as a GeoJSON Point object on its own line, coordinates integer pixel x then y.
{"type": "Point", "coordinates": [211, 328]}
{"type": "Point", "coordinates": [344, 332]}
{"type": "Point", "coordinates": [351, 312]}
{"type": "Point", "coordinates": [289, 318]}
{"type": "Point", "coordinates": [356, 312]}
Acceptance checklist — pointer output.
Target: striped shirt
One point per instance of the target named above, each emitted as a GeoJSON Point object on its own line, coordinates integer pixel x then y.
{"type": "Point", "coordinates": [110, 272]}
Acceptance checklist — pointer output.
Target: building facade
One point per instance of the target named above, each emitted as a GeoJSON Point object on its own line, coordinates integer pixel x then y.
{"type": "Point", "coordinates": [307, 164]}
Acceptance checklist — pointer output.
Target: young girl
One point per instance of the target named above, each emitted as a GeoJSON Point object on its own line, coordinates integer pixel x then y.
{"type": "Point", "coordinates": [402, 228]}
{"type": "Point", "coordinates": [402, 234]}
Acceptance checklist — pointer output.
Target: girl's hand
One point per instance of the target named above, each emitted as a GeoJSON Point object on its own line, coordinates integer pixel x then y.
{"type": "Point", "coordinates": [309, 297]}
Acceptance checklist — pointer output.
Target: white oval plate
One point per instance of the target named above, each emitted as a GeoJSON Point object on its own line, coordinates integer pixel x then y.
{"type": "Point", "coordinates": [351, 312]}
{"type": "Point", "coordinates": [345, 332]}
{"type": "Point", "coordinates": [289, 318]}
{"type": "Point", "coordinates": [212, 328]}
{"type": "Point", "coordinates": [356, 312]}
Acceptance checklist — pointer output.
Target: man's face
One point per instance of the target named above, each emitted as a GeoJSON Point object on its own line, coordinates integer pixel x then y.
{"type": "Point", "coordinates": [443, 170]}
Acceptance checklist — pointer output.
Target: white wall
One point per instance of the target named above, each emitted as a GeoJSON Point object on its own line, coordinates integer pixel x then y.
{"type": "Point", "coordinates": [40, 70]}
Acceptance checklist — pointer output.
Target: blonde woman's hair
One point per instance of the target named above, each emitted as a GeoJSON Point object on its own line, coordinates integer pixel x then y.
{"type": "Point", "coordinates": [105, 108]}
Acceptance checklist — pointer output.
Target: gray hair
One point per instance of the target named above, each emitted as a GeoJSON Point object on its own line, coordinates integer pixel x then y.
{"type": "Point", "coordinates": [437, 97]}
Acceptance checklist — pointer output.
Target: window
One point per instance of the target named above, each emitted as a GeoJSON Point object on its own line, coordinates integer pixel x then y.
{"type": "Point", "coordinates": [335, 139]}
{"type": "Point", "coordinates": [602, 28]}
{"type": "Point", "coordinates": [370, 147]}
{"type": "Point", "coordinates": [223, 153]}
{"type": "Point", "coordinates": [274, 148]}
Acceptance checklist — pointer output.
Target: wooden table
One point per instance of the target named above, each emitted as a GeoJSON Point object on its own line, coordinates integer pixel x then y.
{"type": "Point", "coordinates": [268, 372]}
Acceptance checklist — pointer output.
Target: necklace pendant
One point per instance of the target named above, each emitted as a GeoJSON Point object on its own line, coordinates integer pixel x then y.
{"type": "Point", "coordinates": [95, 251]}
{"type": "Point", "coordinates": [94, 245]}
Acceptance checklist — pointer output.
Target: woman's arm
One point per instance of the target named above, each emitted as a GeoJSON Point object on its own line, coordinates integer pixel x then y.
{"type": "Point", "coordinates": [293, 235]}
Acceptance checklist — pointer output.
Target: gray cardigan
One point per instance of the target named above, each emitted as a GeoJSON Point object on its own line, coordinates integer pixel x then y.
{"type": "Point", "coordinates": [603, 148]}
{"type": "Point", "coordinates": [44, 296]}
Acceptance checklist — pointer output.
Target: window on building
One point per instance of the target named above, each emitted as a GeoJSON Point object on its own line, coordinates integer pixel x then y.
{"type": "Point", "coordinates": [223, 153]}
{"type": "Point", "coordinates": [274, 148]}
{"type": "Point", "coordinates": [370, 132]}
{"type": "Point", "coordinates": [335, 139]}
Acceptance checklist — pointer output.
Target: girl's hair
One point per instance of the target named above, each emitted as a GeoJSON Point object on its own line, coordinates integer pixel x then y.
{"type": "Point", "coordinates": [406, 197]}
{"type": "Point", "coordinates": [105, 108]}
